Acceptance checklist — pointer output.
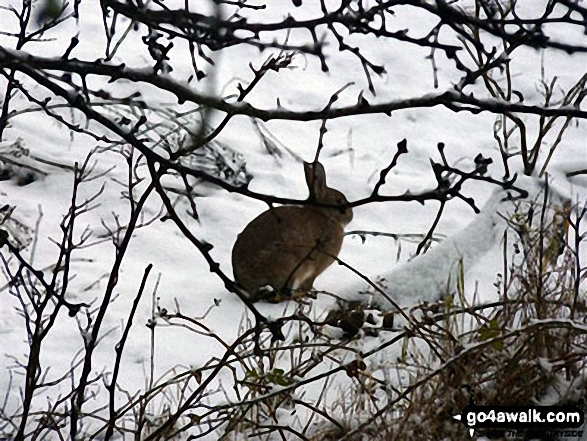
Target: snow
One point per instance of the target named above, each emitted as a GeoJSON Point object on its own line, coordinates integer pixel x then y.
{"type": "Point", "coordinates": [355, 150]}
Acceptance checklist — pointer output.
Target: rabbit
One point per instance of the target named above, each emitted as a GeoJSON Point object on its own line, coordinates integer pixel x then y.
{"type": "Point", "coordinates": [280, 253]}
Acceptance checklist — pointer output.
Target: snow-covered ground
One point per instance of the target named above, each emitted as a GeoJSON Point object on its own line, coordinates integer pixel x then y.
{"type": "Point", "coordinates": [356, 149]}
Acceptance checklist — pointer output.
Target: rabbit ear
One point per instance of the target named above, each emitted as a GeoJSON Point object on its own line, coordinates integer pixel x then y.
{"type": "Point", "coordinates": [315, 178]}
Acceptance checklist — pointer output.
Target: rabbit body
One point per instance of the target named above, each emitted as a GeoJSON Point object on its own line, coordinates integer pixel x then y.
{"type": "Point", "coordinates": [281, 252]}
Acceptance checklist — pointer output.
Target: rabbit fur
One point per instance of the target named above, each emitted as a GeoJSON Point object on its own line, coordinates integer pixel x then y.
{"type": "Point", "coordinates": [280, 253]}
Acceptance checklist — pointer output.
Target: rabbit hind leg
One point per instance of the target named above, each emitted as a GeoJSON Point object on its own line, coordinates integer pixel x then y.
{"type": "Point", "coordinates": [304, 289]}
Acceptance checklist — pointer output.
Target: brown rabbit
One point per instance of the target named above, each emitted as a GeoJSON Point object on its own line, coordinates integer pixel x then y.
{"type": "Point", "coordinates": [281, 252]}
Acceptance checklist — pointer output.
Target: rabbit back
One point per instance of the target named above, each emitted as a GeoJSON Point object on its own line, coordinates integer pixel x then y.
{"type": "Point", "coordinates": [285, 248]}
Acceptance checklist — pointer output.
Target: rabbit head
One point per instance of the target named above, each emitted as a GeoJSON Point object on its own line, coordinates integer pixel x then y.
{"type": "Point", "coordinates": [321, 193]}
{"type": "Point", "coordinates": [280, 253]}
